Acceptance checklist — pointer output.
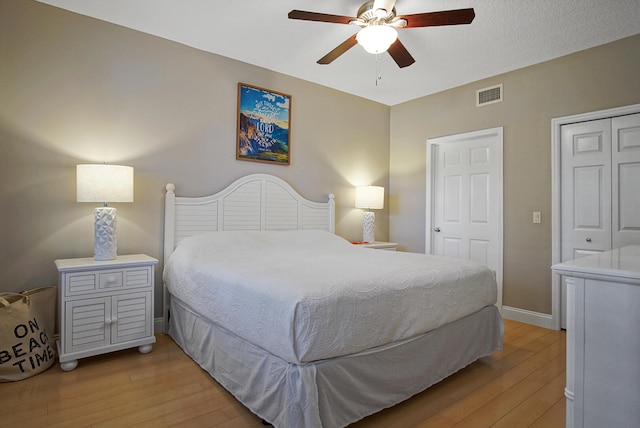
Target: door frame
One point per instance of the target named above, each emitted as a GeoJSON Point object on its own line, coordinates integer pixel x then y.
{"type": "Point", "coordinates": [556, 214]}
{"type": "Point", "coordinates": [432, 144]}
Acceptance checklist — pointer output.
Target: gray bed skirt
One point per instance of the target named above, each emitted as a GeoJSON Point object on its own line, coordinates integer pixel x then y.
{"type": "Point", "coordinates": [338, 391]}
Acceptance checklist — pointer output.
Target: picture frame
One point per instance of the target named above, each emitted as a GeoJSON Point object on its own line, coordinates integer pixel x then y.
{"type": "Point", "coordinates": [264, 125]}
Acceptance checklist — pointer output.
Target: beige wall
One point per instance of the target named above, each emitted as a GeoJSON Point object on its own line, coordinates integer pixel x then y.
{"type": "Point", "coordinates": [76, 90]}
{"type": "Point", "coordinates": [596, 79]}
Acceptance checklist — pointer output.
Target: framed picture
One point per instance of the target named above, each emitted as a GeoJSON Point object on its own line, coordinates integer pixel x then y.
{"type": "Point", "coordinates": [264, 120]}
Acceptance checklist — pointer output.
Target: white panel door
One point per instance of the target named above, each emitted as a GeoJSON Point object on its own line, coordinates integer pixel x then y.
{"type": "Point", "coordinates": [600, 181]}
{"type": "Point", "coordinates": [465, 212]}
{"type": "Point", "coordinates": [586, 188]}
{"type": "Point", "coordinates": [626, 180]}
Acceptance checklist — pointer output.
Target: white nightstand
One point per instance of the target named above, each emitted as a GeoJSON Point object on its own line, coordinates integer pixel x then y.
{"type": "Point", "coordinates": [104, 306]}
{"type": "Point", "coordinates": [378, 245]}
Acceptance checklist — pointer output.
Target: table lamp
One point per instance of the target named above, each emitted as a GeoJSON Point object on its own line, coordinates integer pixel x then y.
{"type": "Point", "coordinates": [104, 183]}
{"type": "Point", "coordinates": [370, 198]}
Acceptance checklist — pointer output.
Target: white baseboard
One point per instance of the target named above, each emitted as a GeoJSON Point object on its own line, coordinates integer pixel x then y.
{"type": "Point", "coordinates": [528, 317]}
{"type": "Point", "coordinates": [158, 325]}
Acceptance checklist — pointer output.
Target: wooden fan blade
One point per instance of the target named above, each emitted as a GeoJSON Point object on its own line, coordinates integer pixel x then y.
{"type": "Point", "coordinates": [400, 54]}
{"type": "Point", "coordinates": [320, 17]}
{"type": "Point", "coordinates": [342, 48]}
{"type": "Point", "coordinates": [445, 17]}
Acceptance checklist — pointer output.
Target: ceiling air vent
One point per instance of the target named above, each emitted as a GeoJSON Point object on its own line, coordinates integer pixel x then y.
{"type": "Point", "coordinates": [489, 95]}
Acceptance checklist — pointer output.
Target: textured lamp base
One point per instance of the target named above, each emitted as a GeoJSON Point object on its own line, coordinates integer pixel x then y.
{"type": "Point", "coordinates": [369, 227]}
{"type": "Point", "coordinates": [105, 246]}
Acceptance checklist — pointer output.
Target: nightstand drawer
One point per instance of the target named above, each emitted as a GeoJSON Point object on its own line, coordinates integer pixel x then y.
{"type": "Point", "coordinates": [110, 279]}
{"type": "Point", "coordinates": [81, 283]}
{"type": "Point", "coordinates": [135, 278]}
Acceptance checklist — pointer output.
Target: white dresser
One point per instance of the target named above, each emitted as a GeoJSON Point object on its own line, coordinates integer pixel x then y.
{"type": "Point", "coordinates": [104, 306]}
{"type": "Point", "coordinates": [603, 339]}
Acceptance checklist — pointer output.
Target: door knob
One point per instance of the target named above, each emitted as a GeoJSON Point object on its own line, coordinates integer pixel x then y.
{"type": "Point", "coordinates": [588, 239]}
{"type": "Point", "coordinates": [437, 229]}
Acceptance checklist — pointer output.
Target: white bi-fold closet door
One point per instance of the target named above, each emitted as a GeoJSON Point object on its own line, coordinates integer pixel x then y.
{"type": "Point", "coordinates": [600, 185]}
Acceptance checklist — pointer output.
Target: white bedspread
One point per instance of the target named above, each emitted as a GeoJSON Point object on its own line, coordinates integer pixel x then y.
{"type": "Point", "coordinates": [310, 295]}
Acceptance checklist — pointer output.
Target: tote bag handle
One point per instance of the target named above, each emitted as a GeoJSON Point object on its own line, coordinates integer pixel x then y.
{"type": "Point", "coordinates": [5, 302]}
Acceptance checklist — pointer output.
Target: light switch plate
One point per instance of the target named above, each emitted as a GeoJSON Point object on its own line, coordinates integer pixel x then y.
{"type": "Point", "coordinates": [536, 217]}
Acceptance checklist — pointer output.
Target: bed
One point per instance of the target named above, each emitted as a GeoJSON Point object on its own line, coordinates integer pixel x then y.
{"type": "Point", "coordinates": [304, 328]}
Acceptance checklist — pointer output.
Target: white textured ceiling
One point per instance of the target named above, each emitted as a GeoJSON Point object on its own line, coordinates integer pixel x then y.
{"type": "Point", "coordinates": [505, 35]}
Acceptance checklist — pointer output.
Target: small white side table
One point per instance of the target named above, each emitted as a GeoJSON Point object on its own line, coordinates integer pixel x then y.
{"type": "Point", "coordinates": [104, 306]}
{"type": "Point", "coordinates": [379, 245]}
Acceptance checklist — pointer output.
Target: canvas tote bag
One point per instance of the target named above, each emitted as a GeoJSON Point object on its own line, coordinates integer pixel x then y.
{"type": "Point", "coordinates": [26, 333]}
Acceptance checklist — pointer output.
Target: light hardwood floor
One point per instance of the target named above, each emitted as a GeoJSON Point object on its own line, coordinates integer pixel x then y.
{"type": "Point", "coordinates": [520, 386]}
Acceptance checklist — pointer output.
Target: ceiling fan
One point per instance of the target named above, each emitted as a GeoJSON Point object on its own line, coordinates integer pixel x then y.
{"type": "Point", "coordinates": [378, 21]}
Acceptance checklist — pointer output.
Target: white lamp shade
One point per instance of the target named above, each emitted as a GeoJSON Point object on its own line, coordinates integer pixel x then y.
{"type": "Point", "coordinates": [376, 38]}
{"type": "Point", "coordinates": [104, 183]}
{"type": "Point", "coordinates": [370, 197]}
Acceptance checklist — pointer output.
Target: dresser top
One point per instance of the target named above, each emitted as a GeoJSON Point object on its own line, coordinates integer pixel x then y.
{"type": "Point", "coordinates": [622, 262]}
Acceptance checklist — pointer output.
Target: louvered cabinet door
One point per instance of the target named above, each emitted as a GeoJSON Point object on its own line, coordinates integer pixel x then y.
{"type": "Point", "coordinates": [86, 324]}
{"type": "Point", "coordinates": [130, 319]}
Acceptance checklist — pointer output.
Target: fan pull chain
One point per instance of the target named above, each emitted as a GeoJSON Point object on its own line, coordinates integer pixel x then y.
{"type": "Point", "coordinates": [378, 74]}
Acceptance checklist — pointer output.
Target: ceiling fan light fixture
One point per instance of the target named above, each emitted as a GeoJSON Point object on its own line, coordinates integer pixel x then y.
{"type": "Point", "coordinates": [376, 39]}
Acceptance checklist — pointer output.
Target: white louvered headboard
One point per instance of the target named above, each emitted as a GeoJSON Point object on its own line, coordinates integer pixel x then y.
{"type": "Point", "coordinates": [253, 202]}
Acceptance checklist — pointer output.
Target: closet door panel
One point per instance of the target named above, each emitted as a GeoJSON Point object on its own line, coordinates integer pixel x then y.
{"type": "Point", "coordinates": [586, 188]}
{"type": "Point", "coordinates": [626, 180]}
